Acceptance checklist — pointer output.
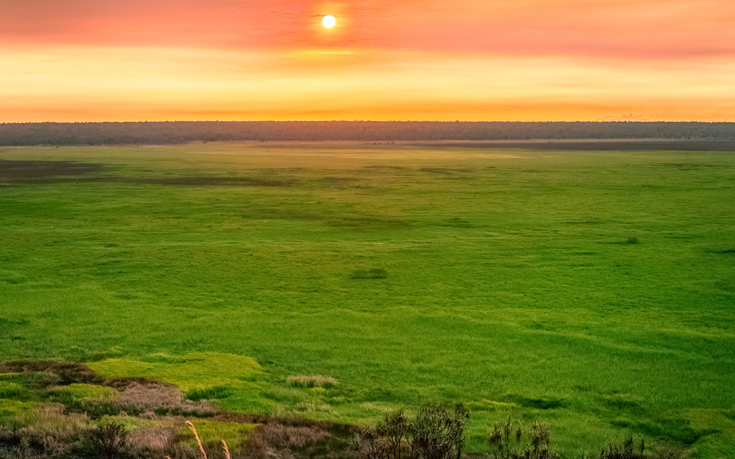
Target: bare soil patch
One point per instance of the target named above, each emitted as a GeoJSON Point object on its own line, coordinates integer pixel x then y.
{"type": "Point", "coordinates": [44, 171]}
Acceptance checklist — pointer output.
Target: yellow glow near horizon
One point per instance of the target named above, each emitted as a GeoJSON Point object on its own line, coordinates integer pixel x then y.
{"type": "Point", "coordinates": [329, 21]}
{"type": "Point", "coordinates": [158, 84]}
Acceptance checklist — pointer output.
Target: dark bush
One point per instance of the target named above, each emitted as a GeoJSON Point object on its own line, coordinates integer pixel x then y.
{"type": "Point", "coordinates": [109, 439]}
{"type": "Point", "coordinates": [437, 433]}
{"type": "Point", "coordinates": [508, 441]}
{"type": "Point", "coordinates": [395, 428]}
{"type": "Point", "coordinates": [386, 441]}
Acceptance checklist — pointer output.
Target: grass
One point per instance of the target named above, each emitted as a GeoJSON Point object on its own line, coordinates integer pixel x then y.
{"type": "Point", "coordinates": [192, 371]}
{"type": "Point", "coordinates": [11, 409]}
{"type": "Point", "coordinates": [85, 392]}
{"type": "Point", "coordinates": [591, 290]}
{"type": "Point", "coordinates": [311, 382]}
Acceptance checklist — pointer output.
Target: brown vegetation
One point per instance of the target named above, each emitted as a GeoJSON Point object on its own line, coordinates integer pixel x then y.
{"type": "Point", "coordinates": [156, 399]}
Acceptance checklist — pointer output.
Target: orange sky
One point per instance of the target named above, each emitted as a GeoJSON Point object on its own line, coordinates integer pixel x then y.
{"type": "Point", "coordinates": [94, 60]}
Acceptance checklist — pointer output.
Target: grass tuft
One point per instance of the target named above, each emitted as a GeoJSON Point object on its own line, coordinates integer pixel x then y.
{"type": "Point", "coordinates": [375, 273]}
{"type": "Point", "coordinates": [310, 382]}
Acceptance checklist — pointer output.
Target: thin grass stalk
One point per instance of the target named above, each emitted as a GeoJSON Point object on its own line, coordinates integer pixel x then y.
{"type": "Point", "coordinates": [227, 451]}
{"type": "Point", "coordinates": [196, 435]}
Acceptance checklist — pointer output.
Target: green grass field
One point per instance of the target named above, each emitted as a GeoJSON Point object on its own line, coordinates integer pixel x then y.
{"type": "Point", "coordinates": [594, 290]}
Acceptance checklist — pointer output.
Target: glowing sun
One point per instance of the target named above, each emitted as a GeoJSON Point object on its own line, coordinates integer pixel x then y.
{"type": "Point", "coordinates": [329, 21]}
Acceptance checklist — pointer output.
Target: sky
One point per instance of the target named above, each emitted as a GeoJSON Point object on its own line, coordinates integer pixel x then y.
{"type": "Point", "coordinates": [504, 60]}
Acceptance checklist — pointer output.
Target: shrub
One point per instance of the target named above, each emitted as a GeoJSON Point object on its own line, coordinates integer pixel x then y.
{"type": "Point", "coordinates": [437, 433]}
{"type": "Point", "coordinates": [371, 444]}
{"type": "Point", "coordinates": [394, 429]}
{"type": "Point", "coordinates": [507, 441]}
{"type": "Point", "coordinates": [386, 441]}
{"type": "Point", "coordinates": [109, 439]}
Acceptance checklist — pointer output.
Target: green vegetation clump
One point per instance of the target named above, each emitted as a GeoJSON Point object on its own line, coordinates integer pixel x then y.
{"type": "Point", "coordinates": [12, 409]}
{"type": "Point", "coordinates": [85, 392]}
{"type": "Point", "coordinates": [310, 382]}
{"type": "Point", "coordinates": [9, 389]}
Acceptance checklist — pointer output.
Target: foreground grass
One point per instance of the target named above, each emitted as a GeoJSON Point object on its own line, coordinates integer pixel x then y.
{"type": "Point", "coordinates": [509, 281]}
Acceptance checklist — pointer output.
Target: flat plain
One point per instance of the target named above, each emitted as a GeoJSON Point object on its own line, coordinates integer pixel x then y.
{"type": "Point", "coordinates": [594, 290]}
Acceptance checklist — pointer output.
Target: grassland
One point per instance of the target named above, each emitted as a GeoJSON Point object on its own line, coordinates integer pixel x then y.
{"type": "Point", "coordinates": [592, 289]}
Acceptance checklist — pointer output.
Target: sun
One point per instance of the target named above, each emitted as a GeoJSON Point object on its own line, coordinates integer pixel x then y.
{"type": "Point", "coordinates": [329, 21]}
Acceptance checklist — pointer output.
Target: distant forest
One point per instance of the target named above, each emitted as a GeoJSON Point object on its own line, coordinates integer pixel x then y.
{"type": "Point", "coordinates": [20, 134]}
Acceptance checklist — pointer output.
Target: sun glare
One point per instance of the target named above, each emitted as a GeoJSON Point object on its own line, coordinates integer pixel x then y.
{"type": "Point", "coordinates": [329, 21]}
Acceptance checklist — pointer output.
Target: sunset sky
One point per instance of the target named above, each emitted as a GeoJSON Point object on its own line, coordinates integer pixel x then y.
{"type": "Point", "coordinates": [526, 60]}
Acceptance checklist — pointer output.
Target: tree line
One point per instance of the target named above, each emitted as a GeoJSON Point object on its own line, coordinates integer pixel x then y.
{"type": "Point", "coordinates": [178, 132]}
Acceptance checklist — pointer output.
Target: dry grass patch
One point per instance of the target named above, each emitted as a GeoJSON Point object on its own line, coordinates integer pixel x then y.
{"type": "Point", "coordinates": [48, 421]}
{"type": "Point", "coordinates": [282, 441]}
{"type": "Point", "coordinates": [158, 399]}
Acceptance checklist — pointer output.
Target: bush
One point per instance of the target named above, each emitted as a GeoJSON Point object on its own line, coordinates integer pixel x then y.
{"type": "Point", "coordinates": [394, 429]}
{"type": "Point", "coordinates": [436, 433]}
{"type": "Point", "coordinates": [507, 441]}
{"type": "Point", "coordinates": [109, 440]}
